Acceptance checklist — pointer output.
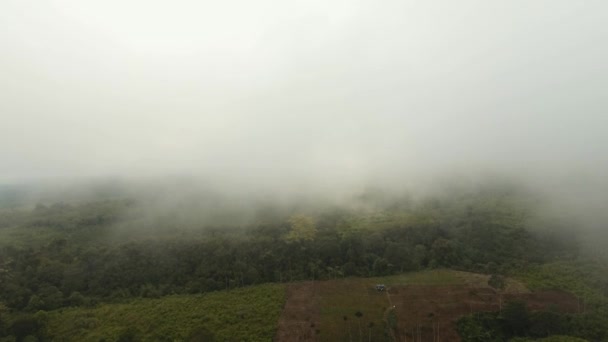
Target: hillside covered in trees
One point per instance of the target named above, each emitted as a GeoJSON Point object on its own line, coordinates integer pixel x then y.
{"type": "Point", "coordinates": [112, 249]}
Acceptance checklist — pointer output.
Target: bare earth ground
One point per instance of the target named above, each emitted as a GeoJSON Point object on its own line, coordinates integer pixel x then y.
{"type": "Point", "coordinates": [351, 310]}
{"type": "Point", "coordinates": [300, 314]}
{"type": "Point", "coordinates": [427, 306]}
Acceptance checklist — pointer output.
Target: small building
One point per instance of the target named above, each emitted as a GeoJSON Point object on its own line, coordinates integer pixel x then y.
{"type": "Point", "coordinates": [380, 287]}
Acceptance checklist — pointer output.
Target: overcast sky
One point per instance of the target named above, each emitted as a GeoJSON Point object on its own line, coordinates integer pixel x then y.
{"type": "Point", "coordinates": [302, 91]}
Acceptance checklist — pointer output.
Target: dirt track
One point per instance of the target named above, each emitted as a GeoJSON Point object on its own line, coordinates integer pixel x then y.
{"type": "Point", "coordinates": [300, 315]}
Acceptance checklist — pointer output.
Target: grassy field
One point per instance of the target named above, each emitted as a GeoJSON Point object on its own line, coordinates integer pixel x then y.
{"type": "Point", "coordinates": [247, 314]}
{"type": "Point", "coordinates": [351, 309]}
{"type": "Point", "coordinates": [431, 277]}
{"type": "Point", "coordinates": [584, 280]}
{"type": "Point", "coordinates": [333, 310]}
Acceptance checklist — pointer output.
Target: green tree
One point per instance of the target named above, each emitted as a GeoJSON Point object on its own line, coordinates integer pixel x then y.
{"type": "Point", "coordinates": [516, 318]}
{"type": "Point", "coordinates": [302, 228]}
{"type": "Point", "coordinates": [497, 281]}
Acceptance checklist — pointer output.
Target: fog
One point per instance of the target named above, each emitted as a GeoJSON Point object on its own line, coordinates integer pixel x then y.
{"type": "Point", "coordinates": [306, 96]}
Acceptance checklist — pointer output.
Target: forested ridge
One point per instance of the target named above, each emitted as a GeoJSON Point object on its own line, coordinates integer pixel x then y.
{"type": "Point", "coordinates": [56, 255]}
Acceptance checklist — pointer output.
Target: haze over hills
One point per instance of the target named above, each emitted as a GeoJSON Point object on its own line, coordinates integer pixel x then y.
{"type": "Point", "coordinates": [313, 100]}
{"type": "Point", "coordinates": [158, 155]}
{"type": "Point", "coordinates": [323, 100]}
{"type": "Point", "coordinates": [294, 95]}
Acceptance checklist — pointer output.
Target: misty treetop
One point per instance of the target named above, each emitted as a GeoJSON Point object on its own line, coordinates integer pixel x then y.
{"type": "Point", "coordinates": [63, 254]}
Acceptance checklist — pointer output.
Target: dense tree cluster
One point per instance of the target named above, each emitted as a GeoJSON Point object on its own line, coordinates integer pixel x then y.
{"type": "Point", "coordinates": [70, 255]}
{"type": "Point", "coordinates": [515, 322]}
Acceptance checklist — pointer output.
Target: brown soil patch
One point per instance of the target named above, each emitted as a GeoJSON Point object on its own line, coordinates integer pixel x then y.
{"type": "Point", "coordinates": [481, 280]}
{"type": "Point", "coordinates": [543, 300]}
{"type": "Point", "coordinates": [300, 315]}
{"type": "Point", "coordinates": [426, 306]}
{"type": "Point", "coordinates": [429, 313]}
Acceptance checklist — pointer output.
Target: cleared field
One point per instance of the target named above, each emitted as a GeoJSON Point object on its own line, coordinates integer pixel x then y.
{"type": "Point", "coordinates": [351, 310]}
{"type": "Point", "coordinates": [347, 309]}
{"type": "Point", "coordinates": [300, 315]}
{"type": "Point", "coordinates": [419, 306]}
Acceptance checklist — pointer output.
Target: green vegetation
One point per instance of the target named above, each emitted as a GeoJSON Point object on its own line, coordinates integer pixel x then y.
{"type": "Point", "coordinates": [81, 258]}
{"type": "Point", "coordinates": [426, 277]}
{"type": "Point", "coordinates": [587, 280]}
{"type": "Point", "coordinates": [246, 314]}
{"type": "Point", "coordinates": [515, 323]}
{"type": "Point", "coordinates": [556, 338]}
{"type": "Point", "coordinates": [111, 250]}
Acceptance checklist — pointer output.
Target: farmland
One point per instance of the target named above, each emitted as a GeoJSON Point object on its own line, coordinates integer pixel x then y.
{"type": "Point", "coordinates": [418, 306]}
